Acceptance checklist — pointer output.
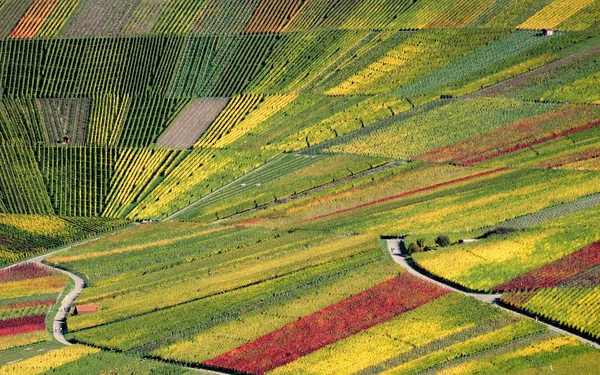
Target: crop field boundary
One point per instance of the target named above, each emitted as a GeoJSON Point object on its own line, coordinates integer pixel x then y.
{"type": "Point", "coordinates": [493, 299]}
{"type": "Point", "coordinates": [315, 189]}
{"type": "Point", "coordinates": [75, 286]}
{"type": "Point", "coordinates": [82, 241]}
{"type": "Point", "coordinates": [495, 88]}
{"type": "Point", "coordinates": [185, 209]}
{"type": "Point", "coordinates": [239, 287]}
{"type": "Point", "coordinates": [319, 148]}
{"type": "Point", "coordinates": [549, 213]}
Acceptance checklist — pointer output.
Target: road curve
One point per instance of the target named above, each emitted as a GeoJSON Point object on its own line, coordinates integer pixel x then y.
{"type": "Point", "coordinates": [59, 322]}
{"type": "Point", "coordinates": [60, 319]}
{"type": "Point", "coordinates": [487, 298]}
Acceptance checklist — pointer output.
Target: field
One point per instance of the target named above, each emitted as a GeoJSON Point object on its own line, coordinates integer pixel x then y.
{"type": "Point", "coordinates": [29, 291]}
{"type": "Point", "coordinates": [299, 187]}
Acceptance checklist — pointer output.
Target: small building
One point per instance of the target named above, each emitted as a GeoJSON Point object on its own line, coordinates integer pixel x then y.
{"type": "Point", "coordinates": [548, 32]}
{"type": "Point", "coordinates": [66, 140]}
{"type": "Point", "coordinates": [81, 309]}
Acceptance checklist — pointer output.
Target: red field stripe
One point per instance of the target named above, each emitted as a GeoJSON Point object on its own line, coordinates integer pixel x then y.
{"type": "Point", "coordinates": [22, 325]}
{"type": "Point", "coordinates": [518, 147]}
{"type": "Point", "coordinates": [334, 323]}
{"type": "Point", "coordinates": [33, 19]}
{"type": "Point", "coordinates": [21, 305]}
{"type": "Point", "coordinates": [554, 273]}
{"type": "Point", "coordinates": [23, 272]}
{"type": "Point", "coordinates": [570, 159]}
{"type": "Point", "coordinates": [393, 197]}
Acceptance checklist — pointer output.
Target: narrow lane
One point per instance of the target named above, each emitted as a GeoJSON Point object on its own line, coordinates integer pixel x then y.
{"type": "Point", "coordinates": [484, 297]}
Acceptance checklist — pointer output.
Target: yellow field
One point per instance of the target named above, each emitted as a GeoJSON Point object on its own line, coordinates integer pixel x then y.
{"type": "Point", "coordinates": [13, 341]}
{"type": "Point", "coordinates": [48, 361]}
{"type": "Point", "coordinates": [554, 14]}
{"type": "Point", "coordinates": [41, 285]}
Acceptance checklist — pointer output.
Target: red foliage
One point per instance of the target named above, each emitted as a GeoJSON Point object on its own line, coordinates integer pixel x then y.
{"type": "Point", "coordinates": [22, 305]}
{"type": "Point", "coordinates": [336, 322]}
{"type": "Point", "coordinates": [33, 19]}
{"type": "Point", "coordinates": [23, 272]}
{"type": "Point", "coordinates": [22, 325]}
{"type": "Point", "coordinates": [522, 146]}
{"type": "Point", "coordinates": [589, 278]}
{"type": "Point", "coordinates": [249, 222]}
{"type": "Point", "coordinates": [517, 299]}
{"type": "Point", "coordinates": [572, 158]}
{"type": "Point", "coordinates": [408, 193]}
{"type": "Point", "coordinates": [554, 273]}
{"type": "Point", "coordinates": [274, 15]}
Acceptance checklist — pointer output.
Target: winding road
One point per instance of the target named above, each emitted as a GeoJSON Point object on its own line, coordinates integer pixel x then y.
{"type": "Point", "coordinates": [60, 319]}
{"type": "Point", "coordinates": [59, 322]}
{"type": "Point", "coordinates": [484, 297]}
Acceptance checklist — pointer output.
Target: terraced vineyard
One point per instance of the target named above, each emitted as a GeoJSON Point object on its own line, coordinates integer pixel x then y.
{"type": "Point", "coordinates": [221, 175]}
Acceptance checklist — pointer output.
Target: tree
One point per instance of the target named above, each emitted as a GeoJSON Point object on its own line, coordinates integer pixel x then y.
{"type": "Point", "coordinates": [413, 248]}
{"type": "Point", "coordinates": [442, 241]}
{"type": "Point", "coordinates": [421, 243]}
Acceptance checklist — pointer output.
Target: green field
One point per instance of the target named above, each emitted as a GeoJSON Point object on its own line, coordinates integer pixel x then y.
{"type": "Point", "coordinates": [221, 176]}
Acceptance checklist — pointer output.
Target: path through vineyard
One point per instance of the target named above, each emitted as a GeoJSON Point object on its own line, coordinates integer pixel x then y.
{"type": "Point", "coordinates": [484, 297]}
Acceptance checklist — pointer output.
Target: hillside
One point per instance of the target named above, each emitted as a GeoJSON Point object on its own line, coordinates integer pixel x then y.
{"type": "Point", "coordinates": [221, 174]}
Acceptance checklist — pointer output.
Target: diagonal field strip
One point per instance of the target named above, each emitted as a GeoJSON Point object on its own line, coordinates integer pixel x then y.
{"type": "Point", "coordinates": [550, 213]}
{"type": "Point", "coordinates": [552, 274]}
{"type": "Point", "coordinates": [412, 192]}
{"type": "Point", "coordinates": [522, 78]}
{"type": "Point", "coordinates": [521, 146]}
{"type": "Point", "coordinates": [484, 297]}
{"type": "Point", "coordinates": [331, 324]}
{"type": "Point", "coordinates": [270, 171]}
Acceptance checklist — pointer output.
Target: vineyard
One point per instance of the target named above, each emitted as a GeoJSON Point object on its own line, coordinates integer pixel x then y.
{"type": "Point", "coordinates": [299, 187]}
{"type": "Point", "coordinates": [27, 235]}
{"type": "Point", "coordinates": [28, 293]}
{"type": "Point", "coordinates": [66, 18]}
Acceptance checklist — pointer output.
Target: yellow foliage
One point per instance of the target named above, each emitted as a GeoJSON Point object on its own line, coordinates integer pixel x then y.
{"type": "Point", "coordinates": [13, 341]}
{"type": "Point", "coordinates": [47, 225]}
{"type": "Point", "coordinates": [41, 285]}
{"type": "Point", "coordinates": [270, 106]}
{"type": "Point", "coordinates": [48, 361]}
{"type": "Point", "coordinates": [554, 14]}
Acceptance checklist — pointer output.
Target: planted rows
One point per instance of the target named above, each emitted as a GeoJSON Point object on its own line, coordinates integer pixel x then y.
{"type": "Point", "coordinates": [428, 128]}
{"type": "Point", "coordinates": [450, 335]}
{"type": "Point", "coordinates": [26, 235]}
{"type": "Point", "coordinates": [77, 178]}
{"type": "Point", "coordinates": [553, 274]}
{"type": "Point", "coordinates": [536, 129]}
{"type": "Point", "coordinates": [137, 171]}
{"type": "Point", "coordinates": [348, 317]}
{"type": "Point", "coordinates": [573, 307]}
{"type": "Point", "coordinates": [29, 290]}
{"type": "Point", "coordinates": [22, 189]}
{"type": "Point", "coordinates": [478, 266]}
{"type": "Point", "coordinates": [111, 18]}
{"type": "Point", "coordinates": [289, 176]}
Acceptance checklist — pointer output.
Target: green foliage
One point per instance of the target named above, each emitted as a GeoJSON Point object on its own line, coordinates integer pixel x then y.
{"type": "Point", "coordinates": [443, 241]}
{"type": "Point", "coordinates": [437, 125]}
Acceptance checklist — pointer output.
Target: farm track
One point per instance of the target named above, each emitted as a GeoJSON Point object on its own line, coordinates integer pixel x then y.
{"type": "Point", "coordinates": [59, 321]}
{"type": "Point", "coordinates": [492, 299]}
{"type": "Point", "coordinates": [221, 189]}
{"type": "Point", "coordinates": [519, 79]}
{"type": "Point", "coordinates": [315, 189]}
